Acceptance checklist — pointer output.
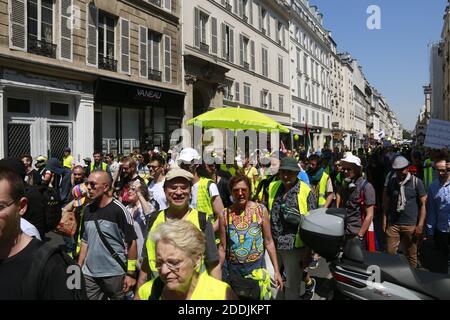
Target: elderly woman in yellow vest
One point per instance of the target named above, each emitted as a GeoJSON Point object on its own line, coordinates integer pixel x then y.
{"type": "Point", "coordinates": [246, 236]}
{"type": "Point", "coordinates": [177, 188]}
{"type": "Point", "coordinates": [287, 197]}
{"type": "Point", "coordinates": [179, 250]}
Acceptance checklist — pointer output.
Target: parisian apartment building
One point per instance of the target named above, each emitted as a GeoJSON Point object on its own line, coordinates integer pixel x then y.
{"type": "Point", "coordinates": [90, 75]}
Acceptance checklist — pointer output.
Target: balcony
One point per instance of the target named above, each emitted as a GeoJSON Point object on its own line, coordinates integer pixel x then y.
{"type": "Point", "coordinates": [156, 2]}
{"type": "Point", "coordinates": [265, 105]}
{"type": "Point", "coordinates": [107, 63]}
{"type": "Point", "coordinates": [246, 65]}
{"type": "Point", "coordinates": [41, 47]}
{"type": "Point", "coordinates": [228, 7]}
{"type": "Point", "coordinates": [229, 97]}
{"type": "Point", "coordinates": [245, 18]}
{"type": "Point", "coordinates": [263, 31]}
{"type": "Point", "coordinates": [204, 47]}
{"type": "Point", "coordinates": [154, 74]}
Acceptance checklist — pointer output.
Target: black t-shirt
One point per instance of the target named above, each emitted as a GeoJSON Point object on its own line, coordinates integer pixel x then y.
{"type": "Point", "coordinates": [14, 269]}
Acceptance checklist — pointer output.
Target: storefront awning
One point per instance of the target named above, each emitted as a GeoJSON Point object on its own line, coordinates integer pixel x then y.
{"type": "Point", "coordinates": [111, 91]}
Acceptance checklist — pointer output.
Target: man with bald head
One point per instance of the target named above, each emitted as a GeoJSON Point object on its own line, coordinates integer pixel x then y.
{"type": "Point", "coordinates": [108, 248]}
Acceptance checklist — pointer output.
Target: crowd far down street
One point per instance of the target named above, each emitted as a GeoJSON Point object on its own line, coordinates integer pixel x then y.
{"type": "Point", "coordinates": [152, 226]}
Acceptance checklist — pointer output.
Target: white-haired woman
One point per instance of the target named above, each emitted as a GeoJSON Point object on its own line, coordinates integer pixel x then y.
{"type": "Point", "coordinates": [179, 250]}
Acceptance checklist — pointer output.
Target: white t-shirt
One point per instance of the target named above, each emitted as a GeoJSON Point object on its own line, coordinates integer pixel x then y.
{"type": "Point", "coordinates": [213, 191]}
{"type": "Point", "coordinates": [156, 191]}
{"type": "Point", "coordinates": [29, 229]}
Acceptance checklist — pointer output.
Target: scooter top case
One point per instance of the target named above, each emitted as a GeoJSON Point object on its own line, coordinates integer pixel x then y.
{"type": "Point", "coordinates": [322, 230]}
{"type": "Point", "coordinates": [374, 275]}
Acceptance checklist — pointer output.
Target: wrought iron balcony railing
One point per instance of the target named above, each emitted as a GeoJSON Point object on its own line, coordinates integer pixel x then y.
{"type": "Point", "coordinates": [41, 47]}
{"type": "Point", "coordinates": [107, 63]}
{"type": "Point", "coordinates": [154, 74]}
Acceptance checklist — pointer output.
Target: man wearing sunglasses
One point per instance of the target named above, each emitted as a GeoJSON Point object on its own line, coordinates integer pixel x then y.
{"type": "Point", "coordinates": [108, 250]}
{"type": "Point", "coordinates": [438, 213]}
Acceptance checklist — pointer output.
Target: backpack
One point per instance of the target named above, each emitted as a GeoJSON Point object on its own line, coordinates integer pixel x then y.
{"type": "Point", "coordinates": [50, 200]}
{"type": "Point", "coordinates": [30, 284]}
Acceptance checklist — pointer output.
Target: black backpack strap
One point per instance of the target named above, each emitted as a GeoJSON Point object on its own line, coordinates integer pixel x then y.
{"type": "Point", "coordinates": [31, 282]}
{"type": "Point", "coordinates": [151, 220]}
{"type": "Point", "coordinates": [202, 221]}
{"type": "Point", "coordinates": [157, 288]}
{"type": "Point", "coordinates": [109, 248]}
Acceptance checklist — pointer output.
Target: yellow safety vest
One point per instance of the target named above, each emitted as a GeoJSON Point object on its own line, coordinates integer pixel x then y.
{"type": "Point", "coordinates": [104, 167]}
{"type": "Point", "coordinates": [323, 189]}
{"type": "Point", "coordinates": [67, 162]}
{"type": "Point", "coordinates": [302, 198]}
{"type": "Point", "coordinates": [208, 288]}
{"type": "Point", "coordinates": [203, 198]}
{"type": "Point", "coordinates": [192, 216]}
{"type": "Point", "coordinates": [427, 174]}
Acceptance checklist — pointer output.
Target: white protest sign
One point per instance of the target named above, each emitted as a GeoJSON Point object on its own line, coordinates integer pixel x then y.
{"type": "Point", "coordinates": [438, 134]}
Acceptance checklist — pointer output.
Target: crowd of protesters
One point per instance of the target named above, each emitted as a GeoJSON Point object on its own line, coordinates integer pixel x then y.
{"type": "Point", "coordinates": [235, 238]}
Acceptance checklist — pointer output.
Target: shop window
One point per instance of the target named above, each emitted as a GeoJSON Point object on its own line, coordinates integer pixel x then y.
{"type": "Point", "coordinates": [59, 109]}
{"type": "Point", "coordinates": [18, 105]}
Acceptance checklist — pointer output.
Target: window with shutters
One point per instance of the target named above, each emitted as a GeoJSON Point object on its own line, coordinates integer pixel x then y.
{"type": "Point", "coordinates": [264, 99]}
{"type": "Point", "coordinates": [299, 61]}
{"type": "Point", "coordinates": [237, 91]}
{"type": "Point", "coordinates": [264, 21]}
{"type": "Point", "coordinates": [214, 39]}
{"type": "Point", "coordinates": [203, 23]}
{"type": "Point", "coordinates": [264, 61]}
{"type": "Point", "coordinates": [247, 94]}
{"type": "Point", "coordinates": [167, 59]}
{"type": "Point", "coordinates": [124, 46]}
{"type": "Point", "coordinates": [244, 51]}
{"type": "Point", "coordinates": [280, 70]}
{"type": "Point", "coordinates": [106, 42]}
{"type": "Point", "coordinates": [227, 43]}
{"type": "Point", "coordinates": [154, 52]}
{"type": "Point", "coordinates": [40, 34]}
{"type": "Point", "coordinates": [66, 26]}
{"type": "Point", "coordinates": [91, 35]}
{"type": "Point", "coordinates": [299, 88]}
{"type": "Point", "coordinates": [281, 102]}
{"type": "Point", "coordinates": [305, 64]}
{"type": "Point", "coordinates": [227, 93]}
{"type": "Point", "coordinates": [167, 5]}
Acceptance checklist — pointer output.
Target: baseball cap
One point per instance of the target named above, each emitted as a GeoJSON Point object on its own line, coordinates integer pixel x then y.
{"type": "Point", "coordinates": [352, 159]}
{"type": "Point", "coordinates": [87, 159]}
{"type": "Point", "coordinates": [188, 154]}
{"type": "Point", "coordinates": [79, 193]}
{"type": "Point", "coordinates": [400, 162]}
{"type": "Point", "coordinates": [179, 173]}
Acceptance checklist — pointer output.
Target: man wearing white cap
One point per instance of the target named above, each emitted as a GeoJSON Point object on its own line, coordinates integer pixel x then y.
{"type": "Point", "coordinates": [404, 210]}
{"type": "Point", "coordinates": [357, 196]}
